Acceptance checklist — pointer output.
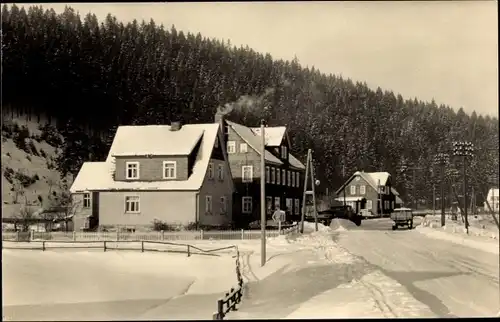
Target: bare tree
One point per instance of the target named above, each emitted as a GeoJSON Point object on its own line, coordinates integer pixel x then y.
{"type": "Point", "coordinates": [24, 218]}
{"type": "Point", "coordinates": [18, 190]}
{"type": "Point", "coordinates": [62, 207]}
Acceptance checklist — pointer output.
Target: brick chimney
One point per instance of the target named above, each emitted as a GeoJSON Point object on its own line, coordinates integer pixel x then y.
{"type": "Point", "coordinates": [175, 126]}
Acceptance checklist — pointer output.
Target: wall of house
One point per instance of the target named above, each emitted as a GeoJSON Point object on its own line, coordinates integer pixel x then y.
{"type": "Point", "coordinates": [151, 168]}
{"type": "Point", "coordinates": [216, 189]}
{"type": "Point", "coordinates": [80, 214]}
{"type": "Point", "coordinates": [172, 207]}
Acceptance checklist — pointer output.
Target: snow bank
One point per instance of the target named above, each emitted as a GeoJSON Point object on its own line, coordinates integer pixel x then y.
{"type": "Point", "coordinates": [311, 227]}
{"type": "Point", "coordinates": [374, 296]}
{"type": "Point", "coordinates": [342, 224]}
{"type": "Point", "coordinates": [476, 242]}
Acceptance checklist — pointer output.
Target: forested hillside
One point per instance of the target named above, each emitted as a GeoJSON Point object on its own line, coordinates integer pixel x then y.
{"type": "Point", "coordinates": [92, 76]}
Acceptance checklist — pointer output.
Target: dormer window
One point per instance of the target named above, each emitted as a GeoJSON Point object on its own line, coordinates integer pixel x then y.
{"type": "Point", "coordinates": [132, 169]}
{"type": "Point", "coordinates": [243, 148]}
{"type": "Point", "coordinates": [283, 152]}
{"type": "Point", "coordinates": [169, 169]}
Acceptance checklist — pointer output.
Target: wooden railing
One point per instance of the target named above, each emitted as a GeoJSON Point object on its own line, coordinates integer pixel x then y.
{"type": "Point", "coordinates": [228, 303]}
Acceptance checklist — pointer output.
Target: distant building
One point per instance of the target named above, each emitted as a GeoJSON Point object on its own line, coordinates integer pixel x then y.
{"type": "Point", "coordinates": [177, 174]}
{"type": "Point", "coordinates": [493, 199]}
{"type": "Point", "coordinates": [369, 193]}
{"type": "Point", "coordinates": [284, 173]}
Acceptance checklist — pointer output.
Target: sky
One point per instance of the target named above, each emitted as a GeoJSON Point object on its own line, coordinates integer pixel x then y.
{"type": "Point", "coordinates": [446, 50]}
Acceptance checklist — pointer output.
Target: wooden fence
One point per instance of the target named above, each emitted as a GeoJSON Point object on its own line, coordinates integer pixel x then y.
{"type": "Point", "coordinates": [146, 236]}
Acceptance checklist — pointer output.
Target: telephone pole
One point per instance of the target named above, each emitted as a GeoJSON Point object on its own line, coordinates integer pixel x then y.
{"type": "Point", "coordinates": [414, 169]}
{"type": "Point", "coordinates": [464, 149]}
{"type": "Point", "coordinates": [442, 160]}
{"type": "Point", "coordinates": [263, 220]}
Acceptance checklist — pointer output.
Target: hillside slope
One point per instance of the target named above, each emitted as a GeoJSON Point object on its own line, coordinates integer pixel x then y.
{"type": "Point", "coordinates": [29, 175]}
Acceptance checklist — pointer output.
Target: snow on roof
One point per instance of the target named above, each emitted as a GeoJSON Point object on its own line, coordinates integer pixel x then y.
{"type": "Point", "coordinates": [372, 178]}
{"type": "Point", "coordinates": [253, 140]}
{"type": "Point", "coordinates": [399, 200]}
{"type": "Point", "coordinates": [394, 191]}
{"type": "Point", "coordinates": [274, 135]}
{"type": "Point", "coordinates": [349, 199]}
{"type": "Point", "coordinates": [294, 162]}
{"type": "Point", "coordinates": [155, 140]}
{"type": "Point", "coordinates": [98, 175]}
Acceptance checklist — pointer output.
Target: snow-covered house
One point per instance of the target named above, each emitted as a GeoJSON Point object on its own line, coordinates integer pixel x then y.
{"type": "Point", "coordinates": [177, 174]}
{"type": "Point", "coordinates": [369, 193]}
{"type": "Point", "coordinates": [493, 198]}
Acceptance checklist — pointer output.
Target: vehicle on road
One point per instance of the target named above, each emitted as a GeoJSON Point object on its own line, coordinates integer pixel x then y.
{"type": "Point", "coordinates": [341, 212]}
{"type": "Point", "coordinates": [402, 217]}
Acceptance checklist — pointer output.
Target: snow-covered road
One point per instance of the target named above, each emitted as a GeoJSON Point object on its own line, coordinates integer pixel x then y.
{"type": "Point", "coordinates": [451, 279]}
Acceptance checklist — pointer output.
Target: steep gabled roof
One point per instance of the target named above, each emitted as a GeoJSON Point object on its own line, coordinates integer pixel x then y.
{"type": "Point", "coordinates": [274, 135]}
{"type": "Point", "coordinates": [253, 140]}
{"type": "Point", "coordinates": [99, 175]}
{"type": "Point", "coordinates": [372, 178]}
{"type": "Point", "coordinates": [294, 162]}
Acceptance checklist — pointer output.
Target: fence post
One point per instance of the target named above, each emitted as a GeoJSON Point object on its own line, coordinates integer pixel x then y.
{"type": "Point", "coordinates": [242, 234]}
{"type": "Point", "coordinates": [162, 235]}
{"type": "Point", "coordinates": [43, 246]}
{"type": "Point", "coordinates": [74, 235]}
{"type": "Point", "coordinates": [189, 250]}
{"type": "Point", "coordinates": [104, 245]}
{"type": "Point", "coordinates": [32, 233]}
{"type": "Point", "coordinates": [17, 235]}
{"type": "Point", "coordinates": [201, 234]}
{"type": "Point", "coordinates": [117, 235]}
{"type": "Point", "coordinates": [142, 246]}
{"type": "Point", "coordinates": [220, 309]}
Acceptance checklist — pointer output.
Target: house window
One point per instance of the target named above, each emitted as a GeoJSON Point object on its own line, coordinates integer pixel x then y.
{"type": "Point", "coordinates": [297, 206]}
{"type": "Point", "coordinates": [223, 205]}
{"type": "Point", "coordinates": [86, 200]}
{"type": "Point", "coordinates": [277, 202]}
{"type": "Point", "coordinates": [293, 179]}
{"type": "Point", "coordinates": [356, 178]}
{"type": "Point", "coordinates": [381, 189]}
{"type": "Point", "coordinates": [220, 172]}
{"type": "Point", "coordinates": [353, 190]}
{"type": "Point", "coordinates": [132, 204]}
{"type": "Point", "coordinates": [269, 205]}
{"type": "Point", "coordinates": [247, 171]}
{"type": "Point", "coordinates": [267, 174]}
{"type": "Point", "coordinates": [243, 148]}
{"type": "Point", "coordinates": [283, 152]}
{"type": "Point", "coordinates": [216, 144]}
{"type": "Point", "coordinates": [362, 190]}
{"type": "Point", "coordinates": [273, 175]}
{"type": "Point", "coordinates": [208, 204]}
{"type": "Point", "coordinates": [297, 179]}
{"type": "Point", "coordinates": [289, 179]}
{"type": "Point", "coordinates": [170, 169]}
{"type": "Point", "coordinates": [289, 205]}
{"type": "Point", "coordinates": [369, 204]}
{"type": "Point", "coordinates": [278, 176]}
{"type": "Point", "coordinates": [246, 205]}
{"type": "Point", "coordinates": [210, 170]}
{"type": "Point", "coordinates": [231, 147]}
{"type": "Point", "coordinates": [283, 176]}
{"type": "Point", "coordinates": [132, 170]}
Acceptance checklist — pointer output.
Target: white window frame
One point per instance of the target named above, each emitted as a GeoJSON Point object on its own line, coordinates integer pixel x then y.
{"type": "Point", "coordinates": [269, 205]}
{"type": "Point", "coordinates": [289, 178]}
{"type": "Point", "coordinates": [284, 151]}
{"type": "Point", "coordinates": [248, 168]}
{"type": "Point", "coordinates": [246, 201]}
{"type": "Point", "coordinates": [170, 175]}
{"type": "Point", "coordinates": [220, 172]}
{"type": "Point", "coordinates": [208, 204]}
{"type": "Point", "coordinates": [369, 204]}
{"type": "Point", "coordinates": [87, 198]}
{"type": "Point", "coordinates": [132, 199]}
{"type": "Point", "coordinates": [297, 179]}
{"type": "Point", "coordinates": [277, 202]}
{"type": "Point", "coordinates": [223, 205]}
{"type": "Point", "coordinates": [268, 170]}
{"type": "Point", "coordinates": [231, 147]}
{"type": "Point", "coordinates": [278, 176]}
{"type": "Point", "coordinates": [210, 170]}
{"type": "Point", "coordinates": [243, 148]}
{"type": "Point", "coordinates": [289, 204]}
{"type": "Point", "coordinates": [297, 206]}
{"type": "Point", "coordinates": [362, 190]}
{"type": "Point", "coordinates": [131, 165]}
{"type": "Point", "coordinates": [273, 175]}
{"type": "Point", "coordinates": [283, 177]}
{"type": "Point", "coordinates": [293, 179]}
{"type": "Point", "coordinates": [353, 190]}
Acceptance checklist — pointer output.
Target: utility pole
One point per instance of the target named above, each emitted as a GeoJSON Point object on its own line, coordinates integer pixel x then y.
{"type": "Point", "coordinates": [442, 159]}
{"type": "Point", "coordinates": [433, 199]}
{"type": "Point", "coordinates": [263, 220]}
{"type": "Point", "coordinates": [464, 149]}
{"type": "Point", "coordinates": [309, 176]}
